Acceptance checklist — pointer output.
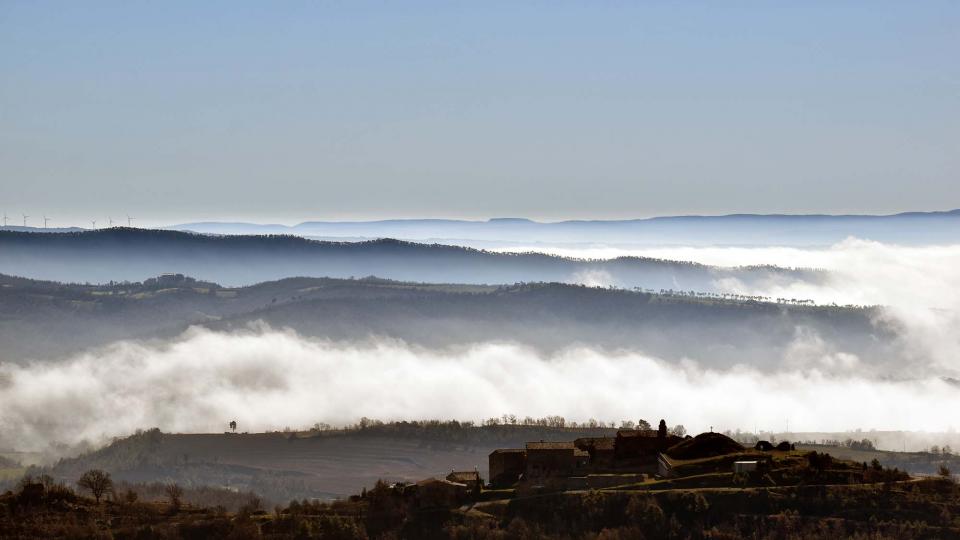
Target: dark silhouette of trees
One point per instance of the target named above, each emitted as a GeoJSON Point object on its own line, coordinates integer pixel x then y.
{"type": "Point", "coordinates": [643, 424]}
{"type": "Point", "coordinates": [97, 482]}
{"type": "Point", "coordinates": [131, 496]}
{"type": "Point", "coordinates": [233, 426]}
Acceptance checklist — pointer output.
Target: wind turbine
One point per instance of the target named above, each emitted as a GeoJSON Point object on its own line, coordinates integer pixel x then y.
{"type": "Point", "coordinates": [129, 221]}
{"type": "Point", "coordinates": [94, 223]}
{"type": "Point", "coordinates": [111, 221]}
{"type": "Point", "coordinates": [25, 219]}
{"type": "Point", "coordinates": [4, 219]}
{"type": "Point", "coordinates": [45, 220]}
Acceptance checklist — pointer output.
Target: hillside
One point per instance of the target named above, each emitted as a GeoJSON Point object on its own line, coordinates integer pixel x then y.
{"type": "Point", "coordinates": [337, 463]}
{"type": "Point", "coordinates": [785, 494]}
{"type": "Point", "coordinates": [331, 464]}
{"type": "Point", "coordinates": [123, 254]}
{"type": "Point", "coordinates": [46, 320]}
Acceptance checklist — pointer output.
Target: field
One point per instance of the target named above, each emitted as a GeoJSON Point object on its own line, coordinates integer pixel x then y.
{"type": "Point", "coordinates": [284, 466]}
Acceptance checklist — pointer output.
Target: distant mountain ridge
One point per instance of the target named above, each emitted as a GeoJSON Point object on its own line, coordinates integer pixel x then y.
{"type": "Point", "coordinates": [732, 229]}
{"type": "Point", "coordinates": [46, 320]}
{"type": "Point", "coordinates": [120, 254]}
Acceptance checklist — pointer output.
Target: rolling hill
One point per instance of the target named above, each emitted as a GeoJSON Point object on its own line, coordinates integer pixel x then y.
{"type": "Point", "coordinates": [124, 254]}
{"type": "Point", "coordinates": [44, 320]}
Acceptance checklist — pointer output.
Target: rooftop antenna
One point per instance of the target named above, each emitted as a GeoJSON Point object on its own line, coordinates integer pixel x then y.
{"type": "Point", "coordinates": [129, 221]}
{"type": "Point", "coordinates": [45, 220]}
{"type": "Point", "coordinates": [25, 219]}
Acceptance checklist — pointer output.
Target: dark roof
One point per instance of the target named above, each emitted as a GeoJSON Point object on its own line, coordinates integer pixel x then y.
{"type": "Point", "coordinates": [508, 451]}
{"type": "Point", "coordinates": [596, 443]}
{"type": "Point", "coordinates": [463, 476]}
{"type": "Point", "coordinates": [566, 445]}
{"type": "Point", "coordinates": [437, 481]}
{"type": "Point", "coordinates": [637, 433]}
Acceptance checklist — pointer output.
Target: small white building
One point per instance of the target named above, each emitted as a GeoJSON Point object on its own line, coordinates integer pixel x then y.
{"type": "Point", "coordinates": [745, 466]}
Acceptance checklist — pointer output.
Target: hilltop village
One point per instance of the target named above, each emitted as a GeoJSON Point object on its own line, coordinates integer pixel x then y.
{"type": "Point", "coordinates": [635, 483]}
{"type": "Point", "coordinates": [633, 457]}
{"type": "Point", "coordinates": [588, 462]}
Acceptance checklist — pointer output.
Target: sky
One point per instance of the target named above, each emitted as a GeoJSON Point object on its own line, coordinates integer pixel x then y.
{"type": "Point", "coordinates": [285, 112]}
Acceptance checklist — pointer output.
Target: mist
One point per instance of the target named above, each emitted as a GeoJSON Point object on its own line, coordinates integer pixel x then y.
{"type": "Point", "coordinates": [857, 271]}
{"type": "Point", "coordinates": [271, 379]}
{"type": "Point", "coordinates": [918, 287]}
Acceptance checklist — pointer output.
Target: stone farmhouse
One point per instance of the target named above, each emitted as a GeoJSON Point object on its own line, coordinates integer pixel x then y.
{"type": "Point", "coordinates": [630, 451]}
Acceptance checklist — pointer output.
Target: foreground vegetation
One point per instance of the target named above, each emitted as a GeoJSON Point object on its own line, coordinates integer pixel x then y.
{"type": "Point", "coordinates": [810, 495]}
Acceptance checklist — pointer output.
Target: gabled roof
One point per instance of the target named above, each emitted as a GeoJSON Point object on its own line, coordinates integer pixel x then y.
{"type": "Point", "coordinates": [436, 481]}
{"type": "Point", "coordinates": [464, 476]}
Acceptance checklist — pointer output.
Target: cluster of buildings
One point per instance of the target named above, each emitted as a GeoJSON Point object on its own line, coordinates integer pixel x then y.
{"type": "Point", "coordinates": [631, 456]}
{"type": "Point", "coordinates": [631, 451]}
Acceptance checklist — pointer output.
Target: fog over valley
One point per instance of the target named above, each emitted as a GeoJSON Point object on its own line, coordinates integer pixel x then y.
{"type": "Point", "coordinates": [479, 271]}
{"type": "Point", "coordinates": [84, 363]}
{"type": "Point", "coordinates": [271, 379]}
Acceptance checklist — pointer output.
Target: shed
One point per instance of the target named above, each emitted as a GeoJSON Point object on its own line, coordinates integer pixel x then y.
{"type": "Point", "coordinates": [471, 479]}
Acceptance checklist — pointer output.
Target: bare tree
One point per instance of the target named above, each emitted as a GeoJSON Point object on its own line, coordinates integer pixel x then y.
{"type": "Point", "coordinates": [97, 482]}
{"type": "Point", "coordinates": [174, 494]}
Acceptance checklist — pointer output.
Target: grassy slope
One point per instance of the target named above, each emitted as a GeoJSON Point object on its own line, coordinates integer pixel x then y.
{"type": "Point", "coordinates": [281, 466]}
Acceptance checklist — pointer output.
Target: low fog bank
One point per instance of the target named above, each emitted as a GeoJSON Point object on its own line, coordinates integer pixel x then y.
{"type": "Point", "coordinates": [857, 271]}
{"type": "Point", "coordinates": [270, 379]}
{"type": "Point", "coordinates": [918, 286]}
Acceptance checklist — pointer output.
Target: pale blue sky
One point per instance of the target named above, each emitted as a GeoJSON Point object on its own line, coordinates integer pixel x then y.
{"type": "Point", "coordinates": [287, 111]}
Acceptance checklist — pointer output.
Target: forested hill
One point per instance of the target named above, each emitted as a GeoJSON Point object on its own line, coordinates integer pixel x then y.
{"type": "Point", "coordinates": [46, 320]}
{"type": "Point", "coordinates": [124, 254]}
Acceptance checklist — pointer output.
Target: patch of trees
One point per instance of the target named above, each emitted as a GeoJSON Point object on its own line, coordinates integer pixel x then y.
{"type": "Point", "coordinates": [97, 482]}
{"type": "Point", "coordinates": [506, 427]}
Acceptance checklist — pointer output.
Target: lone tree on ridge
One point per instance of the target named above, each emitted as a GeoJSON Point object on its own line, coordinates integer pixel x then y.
{"type": "Point", "coordinates": [97, 482]}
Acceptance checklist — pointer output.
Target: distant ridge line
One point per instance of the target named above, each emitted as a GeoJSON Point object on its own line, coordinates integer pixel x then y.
{"type": "Point", "coordinates": [528, 221]}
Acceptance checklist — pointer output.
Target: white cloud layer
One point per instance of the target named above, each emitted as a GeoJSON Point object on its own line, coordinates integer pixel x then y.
{"type": "Point", "coordinates": [861, 271]}
{"type": "Point", "coordinates": [268, 379]}
{"type": "Point", "coordinates": [919, 286]}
